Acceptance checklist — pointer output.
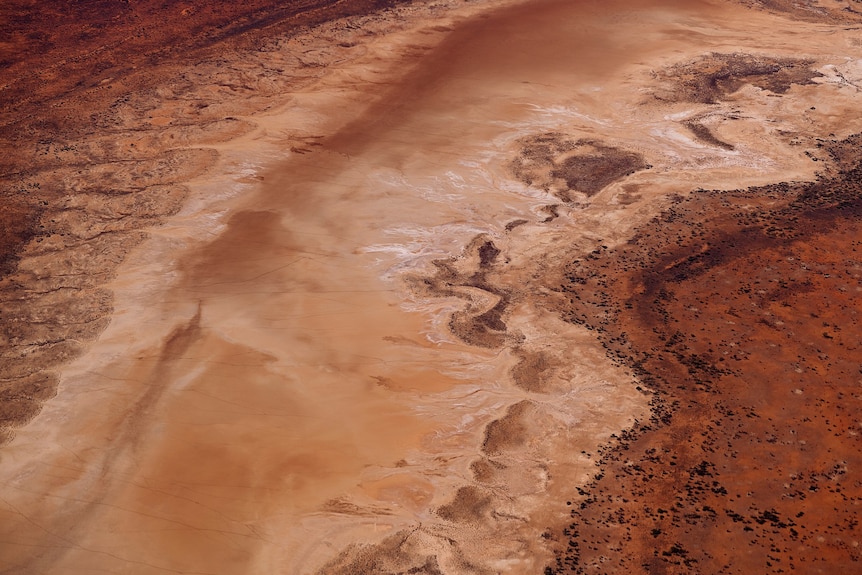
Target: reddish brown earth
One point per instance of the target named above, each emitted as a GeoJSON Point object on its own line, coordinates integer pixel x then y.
{"type": "Point", "coordinates": [740, 312]}
{"type": "Point", "coordinates": [261, 401]}
{"type": "Point", "coordinates": [63, 61]}
{"type": "Point", "coordinates": [83, 172]}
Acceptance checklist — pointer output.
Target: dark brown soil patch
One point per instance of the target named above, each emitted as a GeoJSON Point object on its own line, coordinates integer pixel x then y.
{"type": "Point", "coordinates": [739, 312]}
{"type": "Point", "coordinates": [470, 505]}
{"type": "Point", "coordinates": [22, 398]}
{"type": "Point", "coordinates": [474, 324]}
{"type": "Point", "coordinates": [532, 371]}
{"type": "Point", "coordinates": [488, 253]}
{"type": "Point", "coordinates": [395, 554]}
{"type": "Point", "coordinates": [483, 330]}
{"type": "Point", "coordinates": [557, 164]}
{"type": "Point", "coordinates": [484, 470]}
{"type": "Point", "coordinates": [515, 223]}
{"type": "Point", "coordinates": [508, 431]}
{"type": "Point", "coordinates": [19, 223]}
{"type": "Point", "coordinates": [706, 136]}
{"type": "Point", "coordinates": [714, 77]}
{"type": "Point", "coordinates": [810, 11]}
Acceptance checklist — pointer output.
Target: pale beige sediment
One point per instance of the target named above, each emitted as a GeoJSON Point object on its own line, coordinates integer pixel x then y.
{"type": "Point", "coordinates": [270, 392]}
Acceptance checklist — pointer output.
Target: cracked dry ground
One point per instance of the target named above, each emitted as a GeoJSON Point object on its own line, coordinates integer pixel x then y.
{"type": "Point", "coordinates": [93, 118]}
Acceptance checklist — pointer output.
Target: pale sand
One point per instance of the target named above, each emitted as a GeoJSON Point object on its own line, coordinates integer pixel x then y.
{"type": "Point", "coordinates": [270, 391]}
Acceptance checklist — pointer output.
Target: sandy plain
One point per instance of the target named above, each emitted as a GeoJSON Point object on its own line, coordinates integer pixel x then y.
{"type": "Point", "coordinates": [354, 298]}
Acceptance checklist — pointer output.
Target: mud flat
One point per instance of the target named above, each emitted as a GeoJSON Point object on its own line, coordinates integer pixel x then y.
{"type": "Point", "coordinates": [441, 289]}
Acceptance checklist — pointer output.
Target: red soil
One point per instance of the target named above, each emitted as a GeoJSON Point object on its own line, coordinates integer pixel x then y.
{"type": "Point", "coordinates": [740, 312]}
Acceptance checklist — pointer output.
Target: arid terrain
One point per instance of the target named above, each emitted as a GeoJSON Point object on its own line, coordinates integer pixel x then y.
{"type": "Point", "coordinates": [360, 287]}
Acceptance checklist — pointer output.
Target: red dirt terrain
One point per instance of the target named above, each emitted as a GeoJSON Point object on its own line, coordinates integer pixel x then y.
{"type": "Point", "coordinates": [736, 312]}
{"type": "Point", "coordinates": [740, 313]}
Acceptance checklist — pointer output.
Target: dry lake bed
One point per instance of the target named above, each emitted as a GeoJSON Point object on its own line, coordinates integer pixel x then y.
{"type": "Point", "coordinates": [523, 287]}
